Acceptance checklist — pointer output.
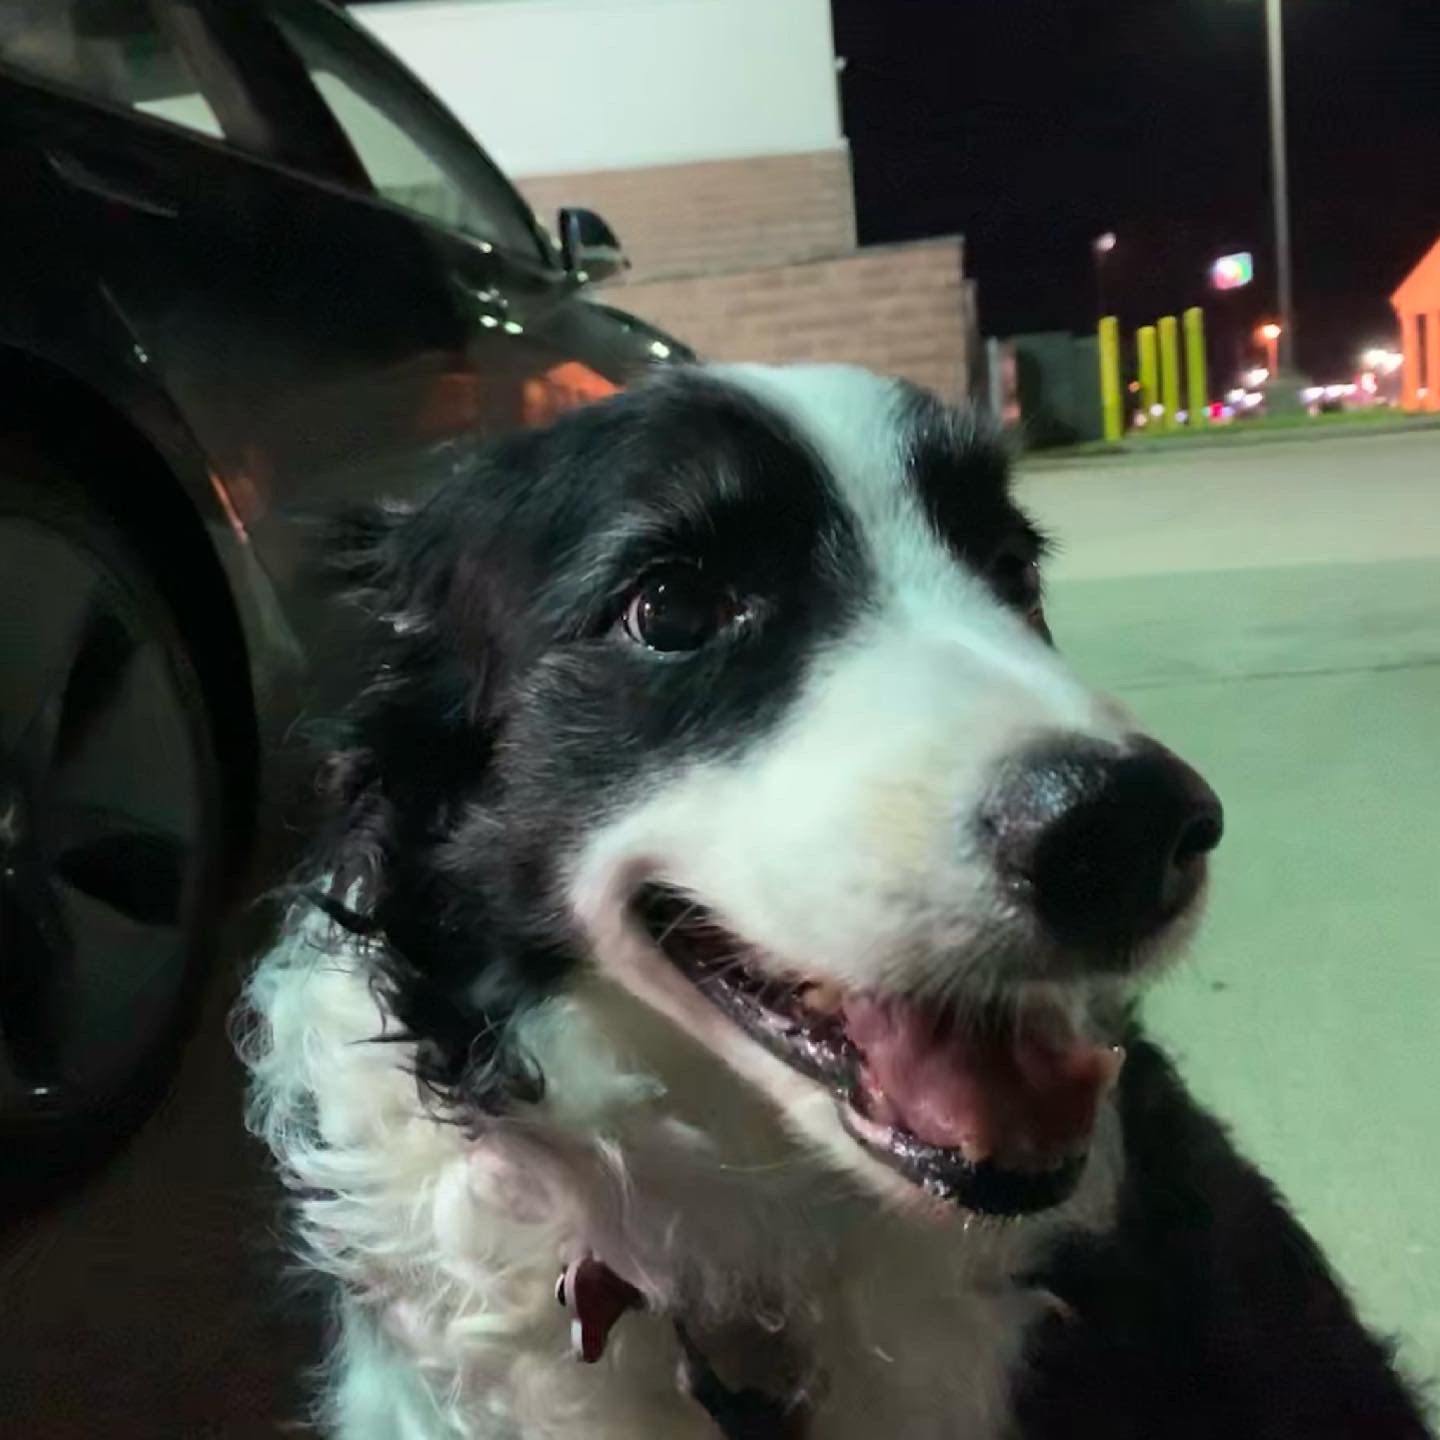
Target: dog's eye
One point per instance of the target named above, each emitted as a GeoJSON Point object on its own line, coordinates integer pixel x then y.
{"type": "Point", "coordinates": [677, 608]}
{"type": "Point", "coordinates": [1016, 578]}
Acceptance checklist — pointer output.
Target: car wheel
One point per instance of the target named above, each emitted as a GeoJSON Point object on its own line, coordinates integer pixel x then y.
{"type": "Point", "coordinates": [110, 821]}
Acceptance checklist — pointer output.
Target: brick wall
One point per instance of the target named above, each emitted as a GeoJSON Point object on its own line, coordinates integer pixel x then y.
{"type": "Point", "coordinates": [902, 310]}
{"type": "Point", "coordinates": [756, 259]}
{"type": "Point", "coordinates": [717, 215]}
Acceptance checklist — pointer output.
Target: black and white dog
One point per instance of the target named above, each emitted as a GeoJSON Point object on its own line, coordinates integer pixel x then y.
{"type": "Point", "coordinates": [734, 912]}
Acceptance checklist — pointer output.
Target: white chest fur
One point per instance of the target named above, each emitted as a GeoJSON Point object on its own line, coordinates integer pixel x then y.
{"type": "Point", "coordinates": [649, 1154]}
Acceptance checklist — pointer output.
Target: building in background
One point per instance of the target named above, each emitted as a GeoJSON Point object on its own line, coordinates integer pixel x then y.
{"type": "Point", "coordinates": [708, 133]}
{"type": "Point", "coordinates": [1417, 306]}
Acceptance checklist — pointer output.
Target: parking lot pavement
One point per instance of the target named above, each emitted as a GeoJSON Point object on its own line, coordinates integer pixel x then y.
{"type": "Point", "coordinates": [1274, 613]}
{"type": "Point", "coordinates": [148, 1304]}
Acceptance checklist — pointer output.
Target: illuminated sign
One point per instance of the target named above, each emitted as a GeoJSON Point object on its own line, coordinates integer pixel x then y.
{"type": "Point", "coordinates": [1233, 272]}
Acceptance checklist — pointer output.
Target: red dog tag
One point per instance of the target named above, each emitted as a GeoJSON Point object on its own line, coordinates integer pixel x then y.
{"type": "Point", "coordinates": [596, 1298]}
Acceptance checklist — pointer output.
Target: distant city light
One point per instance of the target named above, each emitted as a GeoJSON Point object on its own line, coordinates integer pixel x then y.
{"type": "Point", "coordinates": [1313, 394]}
{"type": "Point", "coordinates": [1383, 361]}
{"type": "Point", "coordinates": [1271, 331]}
{"type": "Point", "coordinates": [1233, 272]}
{"type": "Point", "coordinates": [1105, 243]}
{"type": "Point", "coordinates": [1256, 377]}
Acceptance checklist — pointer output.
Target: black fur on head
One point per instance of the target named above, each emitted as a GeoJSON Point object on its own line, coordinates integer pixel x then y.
{"type": "Point", "coordinates": [504, 713]}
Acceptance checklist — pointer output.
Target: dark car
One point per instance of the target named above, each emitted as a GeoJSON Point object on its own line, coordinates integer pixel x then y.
{"type": "Point", "coordinates": [249, 269]}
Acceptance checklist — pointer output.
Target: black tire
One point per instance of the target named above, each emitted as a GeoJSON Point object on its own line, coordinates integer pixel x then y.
{"type": "Point", "coordinates": [112, 830]}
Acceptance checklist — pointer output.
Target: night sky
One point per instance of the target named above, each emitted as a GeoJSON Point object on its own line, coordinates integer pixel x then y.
{"type": "Point", "coordinates": [1030, 126]}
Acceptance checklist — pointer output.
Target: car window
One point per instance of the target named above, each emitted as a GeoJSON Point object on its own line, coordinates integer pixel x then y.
{"type": "Point", "coordinates": [412, 157]}
{"type": "Point", "coordinates": [113, 50]}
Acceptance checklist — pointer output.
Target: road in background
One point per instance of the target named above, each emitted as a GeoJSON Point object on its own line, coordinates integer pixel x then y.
{"type": "Point", "coordinates": [1274, 613]}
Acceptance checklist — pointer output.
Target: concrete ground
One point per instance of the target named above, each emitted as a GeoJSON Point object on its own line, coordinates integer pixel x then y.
{"type": "Point", "coordinates": [149, 1304]}
{"type": "Point", "coordinates": [1274, 613]}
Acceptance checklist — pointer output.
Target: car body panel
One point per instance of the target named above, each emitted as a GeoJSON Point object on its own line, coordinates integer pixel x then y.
{"type": "Point", "coordinates": [286, 338]}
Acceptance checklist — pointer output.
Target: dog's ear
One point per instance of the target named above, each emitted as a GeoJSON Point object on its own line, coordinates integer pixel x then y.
{"type": "Point", "coordinates": [357, 545]}
{"type": "Point", "coordinates": [373, 563]}
{"type": "Point", "coordinates": [407, 756]}
{"type": "Point", "coordinates": [425, 667]}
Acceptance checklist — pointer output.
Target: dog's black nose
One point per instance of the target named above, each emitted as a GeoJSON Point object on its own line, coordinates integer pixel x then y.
{"type": "Point", "coordinates": [1108, 845]}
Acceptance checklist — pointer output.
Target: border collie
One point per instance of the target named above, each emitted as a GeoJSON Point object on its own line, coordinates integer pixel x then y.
{"type": "Point", "coordinates": [733, 912]}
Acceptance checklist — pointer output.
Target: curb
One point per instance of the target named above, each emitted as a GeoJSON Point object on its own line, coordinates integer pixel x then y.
{"type": "Point", "coordinates": [1183, 445]}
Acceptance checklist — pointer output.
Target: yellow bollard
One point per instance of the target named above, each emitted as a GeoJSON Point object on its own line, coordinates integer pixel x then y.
{"type": "Point", "coordinates": [1196, 372]}
{"type": "Point", "coordinates": [1170, 369]}
{"type": "Point", "coordinates": [1149, 372]}
{"type": "Point", "coordinates": [1110, 398]}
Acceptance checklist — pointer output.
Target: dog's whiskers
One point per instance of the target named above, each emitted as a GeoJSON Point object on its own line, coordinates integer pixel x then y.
{"type": "Point", "coordinates": [725, 967]}
{"type": "Point", "coordinates": [684, 918]}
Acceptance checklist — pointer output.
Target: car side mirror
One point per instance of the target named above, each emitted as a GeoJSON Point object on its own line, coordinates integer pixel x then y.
{"type": "Point", "coordinates": [589, 247]}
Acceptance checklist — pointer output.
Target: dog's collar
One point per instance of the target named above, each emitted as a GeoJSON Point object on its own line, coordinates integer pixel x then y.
{"type": "Point", "coordinates": [597, 1298]}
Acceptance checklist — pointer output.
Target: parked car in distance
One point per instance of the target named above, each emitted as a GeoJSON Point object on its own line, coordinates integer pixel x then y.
{"type": "Point", "coordinates": [249, 269]}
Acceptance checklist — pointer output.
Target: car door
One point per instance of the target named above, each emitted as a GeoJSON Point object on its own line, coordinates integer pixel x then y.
{"type": "Point", "coordinates": [324, 342]}
{"type": "Point", "coordinates": [303, 331]}
{"type": "Point", "coordinates": [533, 347]}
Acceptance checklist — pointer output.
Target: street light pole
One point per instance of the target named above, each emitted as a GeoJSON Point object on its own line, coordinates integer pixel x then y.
{"type": "Point", "coordinates": [1275, 26]}
{"type": "Point", "coordinates": [1100, 248]}
{"type": "Point", "coordinates": [1272, 335]}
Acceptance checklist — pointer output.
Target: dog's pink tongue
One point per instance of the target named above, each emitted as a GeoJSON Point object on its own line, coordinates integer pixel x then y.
{"type": "Point", "coordinates": [1027, 1094]}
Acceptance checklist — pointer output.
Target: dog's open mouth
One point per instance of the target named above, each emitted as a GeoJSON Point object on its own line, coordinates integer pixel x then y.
{"type": "Point", "coordinates": [991, 1109]}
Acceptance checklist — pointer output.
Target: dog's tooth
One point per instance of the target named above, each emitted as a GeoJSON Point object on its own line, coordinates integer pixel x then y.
{"type": "Point", "coordinates": [823, 997]}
